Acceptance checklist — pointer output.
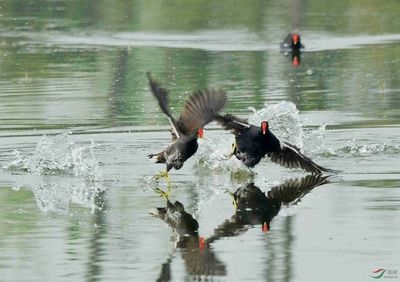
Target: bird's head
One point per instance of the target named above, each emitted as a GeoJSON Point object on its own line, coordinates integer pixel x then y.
{"type": "Point", "coordinates": [202, 243]}
{"type": "Point", "coordinates": [200, 133]}
{"type": "Point", "coordinates": [295, 39]}
{"type": "Point", "coordinates": [264, 127]}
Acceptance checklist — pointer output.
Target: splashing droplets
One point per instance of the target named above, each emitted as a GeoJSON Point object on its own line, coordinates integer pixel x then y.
{"type": "Point", "coordinates": [59, 155]}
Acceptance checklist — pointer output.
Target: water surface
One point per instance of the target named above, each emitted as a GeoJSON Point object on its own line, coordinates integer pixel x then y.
{"type": "Point", "coordinates": [78, 121]}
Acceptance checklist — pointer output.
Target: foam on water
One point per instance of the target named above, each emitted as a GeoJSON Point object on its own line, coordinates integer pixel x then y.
{"type": "Point", "coordinates": [59, 154]}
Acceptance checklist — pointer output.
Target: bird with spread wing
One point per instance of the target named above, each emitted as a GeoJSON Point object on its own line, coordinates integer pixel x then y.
{"type": "Point", "coordinates": [253, 142]}
{"type": "Point", "coordinates": [200, 109]}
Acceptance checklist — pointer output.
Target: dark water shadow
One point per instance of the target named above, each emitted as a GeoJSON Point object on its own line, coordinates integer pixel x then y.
{"type": "Point", "coordinates": [253, 207]}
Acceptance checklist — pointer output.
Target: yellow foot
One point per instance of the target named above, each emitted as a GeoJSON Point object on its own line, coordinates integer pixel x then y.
{"type": "Point", "coordinates": [234, 147]}
{"type": "Point", "coordinates": [163, 174]}
{"type": "Point", "coordinates": [234, 202]}
{"type": "Point", "coordinates": [163, 193]}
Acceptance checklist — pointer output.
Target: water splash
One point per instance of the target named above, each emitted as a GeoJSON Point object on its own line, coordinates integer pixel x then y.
{"type": "Point", "coordinates": [59, 155]}
{"type": "Point", "coordinates": [314, 141]}
{"type": "Point", "coordinates": [356, 149]}
{"type": "Point", "coordinates": [56, 197]}
{"type": "Point", "coordinates": [286, 123]}
{"type": "Point", "coordinates": [213, 154]}
{"type": "Point", "coordinates": [284, 120]}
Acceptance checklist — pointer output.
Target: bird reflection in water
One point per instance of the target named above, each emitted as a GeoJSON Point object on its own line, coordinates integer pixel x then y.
{"type": "Point", "coordinates": [197, 254]}
{"type": "Point", "coordinates": [295, 56]}
{"type": "Point", "coordinates": [253, 207]}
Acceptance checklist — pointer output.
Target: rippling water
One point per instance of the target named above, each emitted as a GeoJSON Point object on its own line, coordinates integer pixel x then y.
{"type": "Point", "coordinates": [78, 121]}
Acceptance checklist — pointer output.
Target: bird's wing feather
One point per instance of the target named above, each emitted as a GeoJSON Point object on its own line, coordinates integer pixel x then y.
{"type": "Point", "coordinates": [231, 122]}
{"type": "Point", "coordinates": [200, 109]}
{"type": "Point", "coordinates": [290, 156]}
{"type": "Point", "coordinates": [161, 95]}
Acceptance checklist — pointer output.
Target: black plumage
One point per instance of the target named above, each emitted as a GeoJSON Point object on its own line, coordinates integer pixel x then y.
{"type": "Point", "coordinates": [200, 109]}
{"type": "Point", "coordinates": [252, 143]}
{"type": "Point", "coordinates": [292, 42]}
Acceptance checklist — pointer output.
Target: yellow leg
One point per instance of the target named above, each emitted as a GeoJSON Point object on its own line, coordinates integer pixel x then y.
{"type": "Point", "coordinates": [163, 174]}
{"type": "Point", "coordinates": [233, 151]}
{"type": "Point", "coordinates": [233, 200]}
{"type": "Point", "coordinates": [162, 193]}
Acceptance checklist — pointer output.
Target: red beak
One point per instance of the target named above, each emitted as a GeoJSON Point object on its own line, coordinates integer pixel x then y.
{"type": "Point", "coordinates": [265, 227]}
{"type": "Point", "coordinates": [200, 133]}
{"type": "Point", "coordinates": [295, 39]}
{"type": "Point", "coordinates": [202, 243]}
{"type": "Point", "coordinates": [264, 128]}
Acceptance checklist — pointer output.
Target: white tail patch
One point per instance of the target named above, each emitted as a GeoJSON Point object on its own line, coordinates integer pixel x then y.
{"type": "Point", "coordinates": [153, 159]}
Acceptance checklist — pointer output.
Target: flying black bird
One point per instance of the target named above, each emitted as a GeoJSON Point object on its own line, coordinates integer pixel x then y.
{"type": "Point", "coordinates": [253, 142]}
{"type": "Point", "coordinates": [200, 109]}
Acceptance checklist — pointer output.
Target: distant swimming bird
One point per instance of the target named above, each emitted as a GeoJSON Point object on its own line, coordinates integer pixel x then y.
{"type": "Point", "coordinates": [200, 109]}
{"type": "Point", "coordinates": [291, 43]}
{"type": "Point", "coordinates": [253, 142]}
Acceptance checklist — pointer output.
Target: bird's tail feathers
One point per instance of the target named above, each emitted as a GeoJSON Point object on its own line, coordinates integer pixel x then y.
{"type": "Point", "coordinates": [157, 158]}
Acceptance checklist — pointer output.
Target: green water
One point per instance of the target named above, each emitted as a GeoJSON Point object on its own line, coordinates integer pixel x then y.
{"type": "Point", "coordinates": [76, 206]}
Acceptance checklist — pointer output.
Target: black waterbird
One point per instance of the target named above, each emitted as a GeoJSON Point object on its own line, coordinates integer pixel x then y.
{"type": "Point", "coordinates": [200, 109]}
{"type": "Point", "coordinates": [292, 42]}
{"type": "Point", "coordinates": [253, 142]}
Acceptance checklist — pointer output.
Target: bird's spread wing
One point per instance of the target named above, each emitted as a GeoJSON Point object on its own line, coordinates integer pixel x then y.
{"type": "Point", "coordinates": [290, 156]}
{"type": "Point", "coordinates": [200, 109]}
{"type": "Point", "coordinates": [231, 122]}
{"type": "Point", "coordinates": [294, 189]}
{"type": "Point", "coordinates": [161, 95]}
